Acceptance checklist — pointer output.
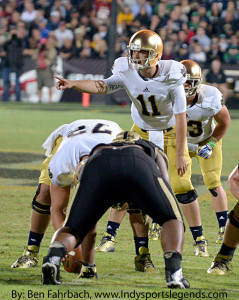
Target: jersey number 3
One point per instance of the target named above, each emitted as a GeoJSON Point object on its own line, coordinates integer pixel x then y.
{"type": "Point", "coordinates": [152, 101]}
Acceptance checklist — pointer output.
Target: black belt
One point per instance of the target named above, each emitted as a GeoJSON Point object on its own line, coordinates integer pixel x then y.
{"type": "Point", "coordinates": [167, 130]}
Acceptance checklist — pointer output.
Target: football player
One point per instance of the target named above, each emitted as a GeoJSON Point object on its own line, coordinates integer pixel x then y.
{"type": "Point", "coordinates": [78, 138]}
{"type": "Point", "coordinates": [221, 264]}
{"type": "Point", "coordinates": [155, 88]}
{"type": "Point", "coordinates": [114, 167]}
{"type": "Point", "coordinates": [204, 105]}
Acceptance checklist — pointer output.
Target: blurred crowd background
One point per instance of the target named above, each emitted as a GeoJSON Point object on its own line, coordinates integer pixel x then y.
{"type": "Point", "coordinates": [204, 31]}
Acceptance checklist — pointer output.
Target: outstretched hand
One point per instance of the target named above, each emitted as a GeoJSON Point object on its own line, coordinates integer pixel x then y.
{"type": "Point", "coordinates": [63, 83]}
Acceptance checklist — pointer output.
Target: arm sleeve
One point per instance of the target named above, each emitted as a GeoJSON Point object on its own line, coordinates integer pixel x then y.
{"type": "Point", "coordinates": [113, 83]}
{"type": "Point", "coordinates": [179, 100]}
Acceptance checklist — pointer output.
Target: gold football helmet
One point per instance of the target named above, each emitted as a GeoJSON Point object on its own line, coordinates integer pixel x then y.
{"type": "Point", "coordinates": [145, 40]}
{"type": "Point", "coordinates": [127, 136]}
{"type": "Point", "coordinates": [194, 76]}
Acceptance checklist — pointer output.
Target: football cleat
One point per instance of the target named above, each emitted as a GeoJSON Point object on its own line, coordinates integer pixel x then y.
{"type": "Point", "coordinates": [88, 271]}
{"type": "Point", "coordinates": [176, 280]}
{"type": "Point", "coordinates": [154, 232]}
{"type": "Point", "coordinates": [221, 265]}
{"type": "Point", "coordinates": [201, 247]}
{"type": "Point", "coordinates": [29, 258]}
{"type": "Point", "coordinates": [51, 270]}
{"type": "Point", "coordinates": [107, 244]}
{"type": "Point", "coordinates": [220, 235]}
{"type": "Point", "coordinates": [143, 262]}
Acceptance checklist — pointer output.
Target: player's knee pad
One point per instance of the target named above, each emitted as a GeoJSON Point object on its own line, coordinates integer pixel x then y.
{"type": "Point", "coordinates": [188, 197]}
{"type": "Point", "coordinates": [213, 192]}
{"type": "Point", "coordinates": [234, 219]}
{"type": "Point", "coordinates": [40, 208]}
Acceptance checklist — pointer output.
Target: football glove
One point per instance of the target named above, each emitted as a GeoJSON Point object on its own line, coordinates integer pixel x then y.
{"type": "Point", "coordinates": [205, 151]}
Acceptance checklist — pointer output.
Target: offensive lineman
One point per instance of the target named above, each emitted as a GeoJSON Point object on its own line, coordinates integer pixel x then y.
{"type": "Point", "coordinates": [137, 169]}
{"type": "Point", "coordinates": [78, 138]}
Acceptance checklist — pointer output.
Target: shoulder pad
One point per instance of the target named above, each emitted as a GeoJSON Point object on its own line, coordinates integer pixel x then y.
{"type": "Point", "coordinates": [120, 65]}
{"type": "Point", "coordinates": [173, 72]}
{"type": "Point", "coordinates": [211, 97]}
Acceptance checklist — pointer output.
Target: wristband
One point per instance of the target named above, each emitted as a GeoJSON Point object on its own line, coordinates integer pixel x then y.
{"type": "Point", "coordinates": [212, 141]}
{"type": "Point", "coordinates": [211, 144]}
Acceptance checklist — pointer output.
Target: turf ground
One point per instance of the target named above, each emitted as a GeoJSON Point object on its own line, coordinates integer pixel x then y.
{"type": "Point", "coordinates": [23, 128]}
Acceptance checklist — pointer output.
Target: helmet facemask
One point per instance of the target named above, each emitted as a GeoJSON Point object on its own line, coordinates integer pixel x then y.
{"type": "Point", "coordinates": [194, 77]}
{"type": "Point", "coordinates": [195, 84]}
{"type": "Point", "coordinates": [141, 64]}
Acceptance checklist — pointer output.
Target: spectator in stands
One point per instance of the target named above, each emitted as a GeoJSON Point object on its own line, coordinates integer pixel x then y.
{"type": "Point", "coordinates": [214, 52]}
{"type": "Point", "coordinates": [80, 34]}
{"type": "Point", "coordinates": [73, 24]}
{"type": "Point", "coordinates": [194, 22]}
{"type": "Point", "coordinates": [168, 51]}
{"type": "Point", "coordinates": [185, 7]}
{"type": "Point", "coordinates": [45, 56]}
{"type": "Point", "coordinates": [231, 56]}
{"type": "Point", "coordinates": [100, 14]}
{"type": "Point", "coordinates": [142, 17]}
{"type": "Point", "coordinates": [126, 16]}
{"type": "Point", "coordinates": [229, 24]}
{"type": "Point", "coordinates": [197, 54]}
{"type": "Point", "coordinates": [101, 49]}
{"type": "Point", "coordinates": [137, 7]}
{"type": "Point", "coordinates": [182, 53]}
{"type": "Point", "coordinates": [87, 51]}
{"type": "Point", "coordinates": [85, 21]}
{"type": "Point", "coordinates": [54, 21]}
{"type": "Point", "coordinates": [42, 25]}
{"type": "Point", "coordinates": [175, 18]}
{"type": "Point", "coordinates": [12, 56]}
{"type": "Point", "coordinates": [16, 17]}
{"type": "Point", "coordinates": [202, 39]}
{"type": "Point", "coordinates": [57, 6]}
{"type": "Point", "coordinates": [216, 77]}
{"type": "Point", "coordinates": [234, 40]}
{"type": "Point", "coordinates": [190, 33]}
{"type": "Point", "coordinates": [160, 10]}
{"type": "Point", "coordinates": [214, 15]}
{"type": "Point", "coordinates": [45, 6]}
{"type": "Point", "coordinates": [29, 13]}
{"type": "Point", "coordinates": [4, 34]}
{"type": "Point", "coordinates": [63, 33]}
{"type": "Point", "coordinates": [68, 50]}
{"type": "Point", "coordinates": [223, 42]}
{"type": "Point", "coordinates": [203, 13]}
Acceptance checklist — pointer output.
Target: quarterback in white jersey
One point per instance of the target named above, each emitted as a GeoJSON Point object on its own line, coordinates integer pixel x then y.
{"type": "Point", "coordinates": [155, 88]}
{"type": "Point", "coordinates": [79, 138]}
{"type": "Point", "coordinates": [154, 100]}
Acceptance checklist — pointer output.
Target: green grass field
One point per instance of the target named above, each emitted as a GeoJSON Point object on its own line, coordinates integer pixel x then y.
{"type": "Point", "coordinates": [23, 128]}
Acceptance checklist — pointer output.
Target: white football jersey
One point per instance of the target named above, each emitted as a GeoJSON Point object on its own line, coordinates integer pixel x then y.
{"type": "Point", "coordinates": [154, 100]}
{"type": "Point", "coordinates": [79, 138]}
{"type": "Point", "coordinates": [200, 115]}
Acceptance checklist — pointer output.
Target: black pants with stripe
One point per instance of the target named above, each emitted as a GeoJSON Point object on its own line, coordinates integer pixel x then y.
{"type": "Point", "coordinates": [114, 175]}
